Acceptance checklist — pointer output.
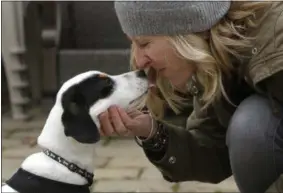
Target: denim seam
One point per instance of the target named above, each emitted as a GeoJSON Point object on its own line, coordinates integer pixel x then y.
{"type": "Point", "coordinates": [273, 146]}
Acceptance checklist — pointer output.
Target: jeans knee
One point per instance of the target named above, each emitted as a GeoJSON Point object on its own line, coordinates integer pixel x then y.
{"type": "Point", "coordinates": [249, 140]}
{"type": "Point", "coordinates": [252, 122]}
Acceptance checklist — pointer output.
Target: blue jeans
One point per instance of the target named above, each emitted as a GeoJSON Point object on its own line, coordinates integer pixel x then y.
{"type": "Point", "coordinates": [255, 142]}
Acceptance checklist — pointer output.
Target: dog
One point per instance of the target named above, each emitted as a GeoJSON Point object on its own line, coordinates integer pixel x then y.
{"type": "Point", "coordinates": [68, 138]}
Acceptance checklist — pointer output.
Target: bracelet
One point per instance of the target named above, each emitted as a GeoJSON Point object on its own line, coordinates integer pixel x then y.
{"type": "Point", "coordinates": [152, 130]}
{"type": "Point", "coordinates": [157, 142]}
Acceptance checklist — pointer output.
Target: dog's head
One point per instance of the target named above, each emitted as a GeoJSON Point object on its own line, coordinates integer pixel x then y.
{"type": "Point", "coordinates": [86, 95]}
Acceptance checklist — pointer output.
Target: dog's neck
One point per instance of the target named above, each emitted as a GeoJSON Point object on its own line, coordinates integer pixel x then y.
{"type": "Point", "coordinates": [54, 139]}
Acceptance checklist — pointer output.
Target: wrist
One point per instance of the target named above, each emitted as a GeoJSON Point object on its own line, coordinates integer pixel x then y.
{"type": "Point", "coordinates": [157, 142]}
{"type": "Point", "coordinates": [152, 131]}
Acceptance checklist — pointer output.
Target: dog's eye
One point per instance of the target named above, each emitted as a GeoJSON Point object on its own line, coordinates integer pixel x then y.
{"type": "Point", "coordinates": [107, 87]}
{"type": "Point", "coordinates": [109, 82]}
{"type": "Point", "coordinates": [106, 91]}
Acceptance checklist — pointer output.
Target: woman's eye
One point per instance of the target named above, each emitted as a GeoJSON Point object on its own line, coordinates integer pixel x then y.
{"type": "Point", "coordinates": [142, 45]}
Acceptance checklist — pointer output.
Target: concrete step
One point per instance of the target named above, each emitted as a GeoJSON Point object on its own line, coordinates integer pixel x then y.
{"type": "Point", "coordinates": [19, 68]}
{"type": "Point", "coordinates": [18, 50]}
{"type": "Point", "coordinates": [20, 100]}
{"type": "Point", "coordinates": [20, 84]}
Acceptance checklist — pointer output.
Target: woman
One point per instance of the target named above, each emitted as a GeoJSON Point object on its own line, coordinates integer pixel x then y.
{"type": "Point", "coordinates": [216, 108]}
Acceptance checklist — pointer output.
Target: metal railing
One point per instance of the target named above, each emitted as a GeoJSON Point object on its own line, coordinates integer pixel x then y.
{"type": "Point", "coordinates": [14, 52]}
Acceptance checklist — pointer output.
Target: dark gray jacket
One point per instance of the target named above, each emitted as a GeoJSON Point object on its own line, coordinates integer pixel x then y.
{"type": "Point", "coordinates": [200, 153]}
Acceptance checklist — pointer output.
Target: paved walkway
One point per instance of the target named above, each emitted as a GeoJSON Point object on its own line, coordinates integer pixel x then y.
{"type": "Point", "coordinates": [120, 166]}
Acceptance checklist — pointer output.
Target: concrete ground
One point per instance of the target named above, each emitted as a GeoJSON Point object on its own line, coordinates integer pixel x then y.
{"type": "Point", "coordinates": [120, 165]}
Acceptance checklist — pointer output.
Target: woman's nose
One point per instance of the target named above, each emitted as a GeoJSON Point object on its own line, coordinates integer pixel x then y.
{"type": "Point", "coordinates": [142, 61]}
{"type": "Point", "coordinates": [141, 64]}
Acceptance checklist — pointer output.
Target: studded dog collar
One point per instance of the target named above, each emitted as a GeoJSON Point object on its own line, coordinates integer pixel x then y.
{"type": "Point", "coordinates": [71, 166]}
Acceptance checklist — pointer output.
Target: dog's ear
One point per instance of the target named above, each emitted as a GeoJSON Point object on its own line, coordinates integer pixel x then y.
{"type": "Point", "coordinates": [76, 119]}
{"type": "Point", "coordinates": [76, 102]}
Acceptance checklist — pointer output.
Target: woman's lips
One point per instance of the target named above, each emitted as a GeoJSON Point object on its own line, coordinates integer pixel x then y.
{"type": "Point", "coordinates": [152, 75]}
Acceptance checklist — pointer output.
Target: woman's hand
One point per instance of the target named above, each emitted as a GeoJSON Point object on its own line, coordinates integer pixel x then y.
{"type": "Point", "coordinates": [116, 121]}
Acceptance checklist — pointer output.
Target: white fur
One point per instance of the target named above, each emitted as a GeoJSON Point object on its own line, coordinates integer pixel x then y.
{"type": "Point", "coordinates": [128, 88]}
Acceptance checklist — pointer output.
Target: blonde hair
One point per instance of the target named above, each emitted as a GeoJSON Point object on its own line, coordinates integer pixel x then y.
{"type": "Point", "coordinates": [211, 51]}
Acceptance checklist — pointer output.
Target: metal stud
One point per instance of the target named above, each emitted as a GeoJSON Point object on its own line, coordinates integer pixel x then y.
{"type": "Point", "coordinates": [172, 160]}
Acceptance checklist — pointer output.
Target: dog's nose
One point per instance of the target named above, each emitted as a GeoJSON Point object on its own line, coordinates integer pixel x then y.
{"type": "Point", "coordinates": [141, 74]}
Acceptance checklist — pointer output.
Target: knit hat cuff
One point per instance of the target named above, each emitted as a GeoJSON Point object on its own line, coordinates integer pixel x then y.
{"type": "Point", "coordinates": [196, 18]}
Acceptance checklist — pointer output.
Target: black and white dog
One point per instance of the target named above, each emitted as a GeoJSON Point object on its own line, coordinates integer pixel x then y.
{"type": "Point", "coordinates": [66, 163]}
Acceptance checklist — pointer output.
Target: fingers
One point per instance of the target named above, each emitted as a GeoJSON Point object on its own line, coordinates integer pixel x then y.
{"type": "Point", "coordinates": [128, 121]}
{"type": "Point", "coordinates": [124, 116]}
{"type": "Point", "coordinates": [106, 127]}
{"type": "Point", "coordinates": [112, 123]}
{"type": "Point", "coordinates": [117, 122]}
{"type": "Point", "coordinates": [101, 132]}
{"type": "Point", "coordinates": [134, 113]}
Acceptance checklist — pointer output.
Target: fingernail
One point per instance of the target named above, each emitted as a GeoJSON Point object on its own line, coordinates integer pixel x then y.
{"type": "Point", "coordinates": [113, 106]}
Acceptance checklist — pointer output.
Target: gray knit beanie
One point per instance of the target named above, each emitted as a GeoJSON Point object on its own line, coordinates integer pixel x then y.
{"type": "Point", "coordinates": [168, 17]}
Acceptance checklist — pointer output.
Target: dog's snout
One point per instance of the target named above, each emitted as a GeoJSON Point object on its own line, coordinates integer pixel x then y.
{"type": "Point", "coordinates": [141, 74]}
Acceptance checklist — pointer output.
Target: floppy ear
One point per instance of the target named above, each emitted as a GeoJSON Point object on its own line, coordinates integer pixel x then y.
{"type": "Point", "coordinates": [76, 119]}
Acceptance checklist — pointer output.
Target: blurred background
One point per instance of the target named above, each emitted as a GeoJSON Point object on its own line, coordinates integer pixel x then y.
{"type": "Point", "coordinates": [43, 44]}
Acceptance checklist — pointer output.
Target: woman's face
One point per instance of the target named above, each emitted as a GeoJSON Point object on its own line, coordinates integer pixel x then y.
{"type": "Point", "coordinates": [157, 52]}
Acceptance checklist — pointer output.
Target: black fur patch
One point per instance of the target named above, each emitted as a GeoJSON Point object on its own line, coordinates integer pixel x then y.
{"type": "Point", "coordinates": [76, 102]}
{"type": "Point", "coordinates": [26, 182]}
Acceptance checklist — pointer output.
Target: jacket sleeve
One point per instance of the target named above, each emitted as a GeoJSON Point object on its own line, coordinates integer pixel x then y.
{"type": "Point", "coordinates": [274, 86]}
{"type": "Point", "coordinates": [199, 154]}
{"type": "Point", "coordinates": [265, 67]}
